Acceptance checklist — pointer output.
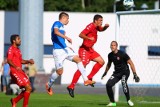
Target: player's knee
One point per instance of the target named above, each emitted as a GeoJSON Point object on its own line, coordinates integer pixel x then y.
{"type": "Point", "coordinates": [28, 88]}
{"type": "Point", "coordinates": [101, 62]}
{"type": "Point", "coordinates": [60, 74]}
{"type": "Point", "coordinates": [77, 59]}
{"type": "Point", "coordinates": [109, 85]}
{"type": "Point", "coordinates": [60, 71]}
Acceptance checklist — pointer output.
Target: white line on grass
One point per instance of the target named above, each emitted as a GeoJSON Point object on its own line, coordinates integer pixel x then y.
{"type": "Point", "coordinates": [150, 102]}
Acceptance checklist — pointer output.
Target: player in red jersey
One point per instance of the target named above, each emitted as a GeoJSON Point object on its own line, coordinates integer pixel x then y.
{"type": "Point", "coordinates": [86, 51]}
{"type": "Point", "coordinates": [14, 58]}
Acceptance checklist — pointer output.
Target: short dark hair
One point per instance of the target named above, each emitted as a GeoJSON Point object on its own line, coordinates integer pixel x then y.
{"type": "Point", "coordinates": [63, 14]}
{"type": "Point", "coordinates": [115, 42]}
{"type": "Point", "coordinates": [13, 37]}
{"type": "Point", "coordinates": [96, 17]}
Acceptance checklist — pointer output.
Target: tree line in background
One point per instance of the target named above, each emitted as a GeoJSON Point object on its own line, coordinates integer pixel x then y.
{"type": "Point", "coordinates": [78, 5]}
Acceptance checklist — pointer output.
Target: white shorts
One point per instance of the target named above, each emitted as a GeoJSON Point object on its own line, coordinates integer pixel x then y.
{"type": "Point", "coordinates": [60, 55]}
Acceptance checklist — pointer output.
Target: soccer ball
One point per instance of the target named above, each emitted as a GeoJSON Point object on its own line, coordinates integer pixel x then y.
{"type": "Point", "coordinates": [128, 3]}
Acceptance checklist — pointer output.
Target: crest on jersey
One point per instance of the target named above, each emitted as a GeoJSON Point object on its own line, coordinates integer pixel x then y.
{"type": "Point", "coordinates": [118, 58]}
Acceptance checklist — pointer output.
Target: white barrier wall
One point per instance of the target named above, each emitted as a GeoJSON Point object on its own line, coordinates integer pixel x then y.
{"type": "Point", "coordinates": [137, 32]}
{"type": "Point", "coordinates": [1, 36]}
{"type": "Point", "coordinates": [142, 31]}
{"type": "Point", "coordinates": [77, 22]}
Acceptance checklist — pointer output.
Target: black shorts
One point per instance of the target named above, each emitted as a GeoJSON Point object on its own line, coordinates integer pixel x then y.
{"type": "Point", "coordinates": [123, 76]}
{"type": "Point", "coordinates": [120, 74]}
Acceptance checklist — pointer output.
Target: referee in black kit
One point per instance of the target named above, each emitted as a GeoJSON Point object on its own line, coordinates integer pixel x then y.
{"type": "Point", "coordinates": [120, 60]}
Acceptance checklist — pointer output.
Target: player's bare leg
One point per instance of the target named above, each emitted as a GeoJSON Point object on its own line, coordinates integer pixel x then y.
{"type": "Point", "coordinates": [54, 76]}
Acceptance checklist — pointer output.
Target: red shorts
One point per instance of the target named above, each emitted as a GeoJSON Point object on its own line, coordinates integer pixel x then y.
{"type": "Point", "coordinates": [87, 54]}
{"type": "Point", "coordinates": [19, 77]}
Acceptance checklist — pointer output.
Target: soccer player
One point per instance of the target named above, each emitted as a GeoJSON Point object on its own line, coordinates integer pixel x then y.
{"type": "Point", "coordinates": [86, 51]}
{"type": "Point", "coordinates": [62, 52]}
{"type": "Point", "coordinates": [120, 60]}
{"type": "Point", "coordinates": [14, 58]}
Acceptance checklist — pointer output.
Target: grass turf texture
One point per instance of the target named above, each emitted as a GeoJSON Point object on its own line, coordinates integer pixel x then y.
{"type": "Point", "coordinates": [80, 100]}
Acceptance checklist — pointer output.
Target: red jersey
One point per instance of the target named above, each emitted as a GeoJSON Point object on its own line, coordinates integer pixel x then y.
{"type": "Point", "coordinates": [15, 55]}
{"type": "Point", "coordinates": [90, 31]}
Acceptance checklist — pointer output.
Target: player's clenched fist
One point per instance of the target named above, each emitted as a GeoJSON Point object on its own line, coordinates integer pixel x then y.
{"type": "Point", "coordinates": [31, 61]}
{"type": "Point", "coordinates": [107, 25]}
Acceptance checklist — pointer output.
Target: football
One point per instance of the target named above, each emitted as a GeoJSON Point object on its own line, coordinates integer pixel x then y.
{"type": "Point", "coordinates": [128, 3]}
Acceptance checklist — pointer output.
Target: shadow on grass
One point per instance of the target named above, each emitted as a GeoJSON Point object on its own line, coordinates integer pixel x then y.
{"type": "Point", "coordinates": [102, 104]}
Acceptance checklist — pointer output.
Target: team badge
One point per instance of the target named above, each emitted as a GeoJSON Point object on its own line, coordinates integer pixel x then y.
{"type": "Point", "coordinates": [118, 58]}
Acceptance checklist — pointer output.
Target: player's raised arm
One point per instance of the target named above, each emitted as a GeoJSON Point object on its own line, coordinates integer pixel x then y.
{"type": "Point", "coordinates": [103, 28]}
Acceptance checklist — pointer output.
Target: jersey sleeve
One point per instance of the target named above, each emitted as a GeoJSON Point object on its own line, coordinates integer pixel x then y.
{"type": "Point", "coordinates": [126, 57]}
{"type": "Point", "coordinates": [87, 30]}
{"type": "Point", "coordinates": [109, 58]}
{"type": "Point", "coordinates": [55, 25]}
{"type": "Point", "coordinates": [10, 53]}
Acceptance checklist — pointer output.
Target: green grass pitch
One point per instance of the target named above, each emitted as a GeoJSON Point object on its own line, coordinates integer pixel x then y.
{"type": "Point", "coordinates": [80, 100]}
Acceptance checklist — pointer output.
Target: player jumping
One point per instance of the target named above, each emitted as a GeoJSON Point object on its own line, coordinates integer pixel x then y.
{"type": "Point", "coordinates": [14, 58]}
{"type": "Point", "coordinates": [86, 51]}
{"type": "Point", "coordinates": [120, 60]}
{"type": "Point", "coordinates": [62, 52]}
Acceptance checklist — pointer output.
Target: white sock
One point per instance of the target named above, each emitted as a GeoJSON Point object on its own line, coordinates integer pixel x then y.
{"type": "Point", "coordinates": [54, 76]}
{"type": "Point", "coordinates": [82, 70]}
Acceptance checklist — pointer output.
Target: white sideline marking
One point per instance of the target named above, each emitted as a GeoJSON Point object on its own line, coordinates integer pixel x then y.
{"type": "Point", "coordinates": [149, 102]}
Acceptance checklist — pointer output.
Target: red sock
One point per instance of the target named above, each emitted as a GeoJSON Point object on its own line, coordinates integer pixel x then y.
{"type": "Point", "coordinates": [75, 79]}
{"type": "Point", "coordinates": [26, 98]}
{"type": "Point", "coordinates": [95, 69]}
{"type": "Point", "coordinates": [19, 97]}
